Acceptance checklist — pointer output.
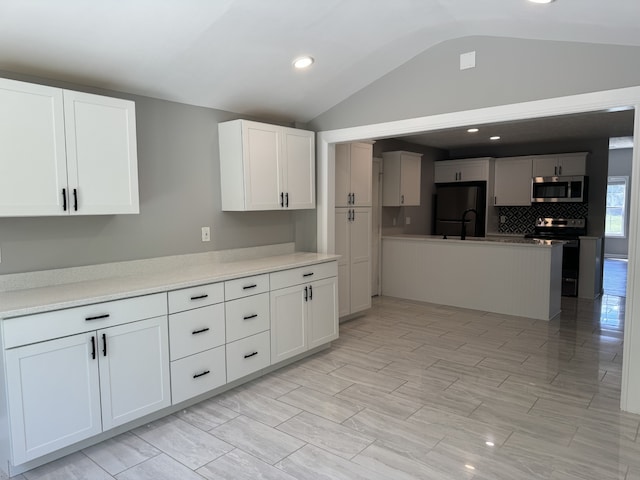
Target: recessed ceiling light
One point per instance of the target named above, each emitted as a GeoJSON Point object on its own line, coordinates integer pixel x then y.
{"type": "Point", "coordinates": [495, 137]}
{"type": "Point", "coordinates": [469, 467]}
{"type": "Point", "coordinates": [490, 444]}
{"type": "Point", "coordinates": [303, 62]}
{"type": "Point", "coordinates": [473, 130]}
{"type": "Point", "coordinates": [542, 1]}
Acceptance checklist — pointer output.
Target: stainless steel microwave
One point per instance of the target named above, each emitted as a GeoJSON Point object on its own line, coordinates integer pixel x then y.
{"type": "Point", "coordinates": [559, 189]}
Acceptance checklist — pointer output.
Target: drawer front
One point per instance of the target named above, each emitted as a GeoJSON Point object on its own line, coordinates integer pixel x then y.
{"type": "Point", "coordinates": [296, 276]}
{"type": "Point", "coordinates": [247, 316]}
{"type": "Point", "coordinates": [243, 287]}
{"type": "Point", "coordinates": [61, 323]}
{"type": "Point", "coordinates": [248, 355]}
{"type": "Point", "coordinates": [194, 297]}
{"type": "Point", "coordinates": [197, 374]}
{"type": "Point", "coordinates": [196, 330]}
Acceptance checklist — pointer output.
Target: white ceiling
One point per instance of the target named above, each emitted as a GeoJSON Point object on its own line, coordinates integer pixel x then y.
{"type": "Point", "coordinates": [236, 54]}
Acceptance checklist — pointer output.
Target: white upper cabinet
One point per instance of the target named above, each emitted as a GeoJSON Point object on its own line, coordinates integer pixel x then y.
{"type": "Point", "coordinates": [354, 164]}
{"type": "Point", "coordinates": [64, 152]}
{"type": "Point", "coordinates": [401, 180]}
{"type": "Point", "coordinates": [102, 160]}
{"type": "Point", "coordinates": [266, 167]}
{"type": "Point", "coordinates": [512, 184]}
{"type": "Point", "coordinates": [568, 164]}
{"type": "Point", "coordinates": [467, 170]}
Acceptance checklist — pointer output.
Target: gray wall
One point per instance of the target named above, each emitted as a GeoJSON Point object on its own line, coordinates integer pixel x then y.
{"type": "Point", "coordinates": [620, 165]}
{"type": "Point", "coordinates": [508, 71]}
{"type": "Point", "coordinates": [178, 170]}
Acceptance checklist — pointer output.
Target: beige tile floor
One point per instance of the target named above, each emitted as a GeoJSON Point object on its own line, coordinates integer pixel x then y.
{"type": "Point", "coordinates": [409, 391]}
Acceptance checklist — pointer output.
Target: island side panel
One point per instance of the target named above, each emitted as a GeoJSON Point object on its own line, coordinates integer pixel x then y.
{"type": "Point", "coordinates": [511, 279]}
{"type": "Point", "coordinates": [555, 281]}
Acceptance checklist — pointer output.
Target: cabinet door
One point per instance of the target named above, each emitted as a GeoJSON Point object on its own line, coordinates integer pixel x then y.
{"type": "Point", "coordinates": [288, 322]}
{"type": "Point", "coordinates": [410, 181]}
{"type": "Point", "coordinates": [573, 164]}
{"type": "Point", "coordinates": [33, 169]}
{"type": "Point", "coordinates": [445, 172]}
{"type": "Point", "coordinates": [343, 175]}
{"type": "Point", "coordinates": [53, 393]}
{"type": "Point", "coordinates": [512, 184]}
{"type": "Point", "coordinates": [360, 260]}
{"type": "Point", "coordinates": [360, 173]}
{"type": "Point", "coordinates": [299, 168]}
{"type": "Point", "coordinates": [102, 157]}
{"type": "Point", "coordinates": [545, 166]}
{"type": "Point", "coordinates": [134, 370]}
{"type": "Point", "coordinates": [322, 319]}
{"type": "Point", "coordinates": [475, 170]}
{"type": "Point", "coordinates": [342, 245]}
{"type": "Point", "coordinates": [262, 171]}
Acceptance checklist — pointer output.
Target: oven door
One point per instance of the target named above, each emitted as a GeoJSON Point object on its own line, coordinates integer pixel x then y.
{"type": "Point", "coordinates": [557, 189]}
{"type": "Point", "coordinates": [570, 268]}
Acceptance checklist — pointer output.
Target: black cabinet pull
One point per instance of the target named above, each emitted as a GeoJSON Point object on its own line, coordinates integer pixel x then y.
{"type": "Point", "coordinates": [353, 199]}
{"type": "Point", "coordinates": [310, 292]}
{"type": "Point", "coordinates": [250, 354]}
{"type": "Point", "coordinates": [248, 317]}
{"type": "Point", "coordinates": [250, 286]}
{"type": "Point", "coordinates": [202, 330]}
{"type": "Point", "coordinates": [307, 274]}
{"type": "Point", "coordinates": [286, 196]}
{"type": "Point", "coordinates": [199, 297]}
{"type": "Point", "coordinates": [75, 199]}
{"type": "Point", "coordinates": [282, 199]}
{"type": "Point", "coordinates": [206, 372]}
{"type": "Point", "coordinates": [97, 317]}
{"type": "Point", "coordinates": [93, 347]}
{"type": "Point", "coordinates": [104, 342]}
{"type": "Point", "coordinates": [306, 293]}
{"type": "Point", "coordinates": [64, 199]}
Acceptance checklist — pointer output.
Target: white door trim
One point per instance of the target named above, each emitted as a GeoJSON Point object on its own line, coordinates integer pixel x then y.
{"type": "Point", "coordinates": [588, 102]}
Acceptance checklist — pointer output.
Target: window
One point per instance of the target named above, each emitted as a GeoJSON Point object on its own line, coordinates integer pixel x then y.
{"type": "Point", "coordinates": [616, 206]}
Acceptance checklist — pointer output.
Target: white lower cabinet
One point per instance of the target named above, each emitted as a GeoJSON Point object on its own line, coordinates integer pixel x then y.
{"type": "Point", "coordinates": [65, 390]}
{"type": "Point", "coordinates": [303, 314]}
{"type": "Point", "coordinates": [247, 355]}
{"type": "Point", "coordinates": [353, 243]}
{"type": "Point", "coordinates": [197, 374]}
{"type": "Point", "coordinates": [72, 374]}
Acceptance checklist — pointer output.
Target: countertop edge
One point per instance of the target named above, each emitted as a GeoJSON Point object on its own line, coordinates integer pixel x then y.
{"type": "Point", "coordinates": [494, 243]}
{"type": "Point", "coordinates": [18, 303]}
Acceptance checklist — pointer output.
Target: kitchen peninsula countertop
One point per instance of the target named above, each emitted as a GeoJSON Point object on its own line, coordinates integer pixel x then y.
{"type": "Point", "coordinates": [489, 239]}
{"type": "Point", "coordinates": [150, 276]}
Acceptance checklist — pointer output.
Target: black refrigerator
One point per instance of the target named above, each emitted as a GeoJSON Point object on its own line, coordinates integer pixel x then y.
{"type": "Point", "coordinates": [452, 200]}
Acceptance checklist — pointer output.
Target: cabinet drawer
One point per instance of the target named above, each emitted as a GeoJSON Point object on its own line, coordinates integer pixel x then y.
{"type": "Point", "coordinates": [194, 297]}
{"type": "Point", "coordinates": [243, 287]}
{"type": "Point", "coordinates": [296, 276]}
{"type": "Point", "coordinates": [248, 355]}
{"type": "Point", "coordinates": [247, 316]}
{"type": "Point", "coordinates": [196, 330]}
{"type": "Point", "coordinates": [61, 323]}
{"type": "Point", "coordinates": [197, 374]}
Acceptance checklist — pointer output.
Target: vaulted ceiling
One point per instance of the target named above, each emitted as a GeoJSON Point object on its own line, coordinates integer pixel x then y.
{"type": "Point", "coordinates": [236, 54]}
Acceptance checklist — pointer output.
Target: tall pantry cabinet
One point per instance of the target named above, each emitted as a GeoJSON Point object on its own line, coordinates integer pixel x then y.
{"type": "Point", "coordinates": [354, 163]}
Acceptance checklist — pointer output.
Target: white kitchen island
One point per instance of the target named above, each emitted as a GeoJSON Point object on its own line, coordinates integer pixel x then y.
{"type": "Point", "coordinates": [507, 276]}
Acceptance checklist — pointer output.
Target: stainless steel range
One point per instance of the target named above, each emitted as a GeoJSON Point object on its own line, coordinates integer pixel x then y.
{"type": "Point", "coordinates": [569, 230]}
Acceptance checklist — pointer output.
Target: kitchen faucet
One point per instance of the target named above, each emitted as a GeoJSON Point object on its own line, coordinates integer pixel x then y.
{"type": "Point", "coordinates": [463, 226]}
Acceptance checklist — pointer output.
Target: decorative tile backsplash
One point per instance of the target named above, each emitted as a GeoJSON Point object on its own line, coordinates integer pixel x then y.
{"type": "Point", "coordinates": [522, 219]}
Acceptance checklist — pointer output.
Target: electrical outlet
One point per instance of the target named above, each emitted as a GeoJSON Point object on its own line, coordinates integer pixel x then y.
{"type": "Point", "coordinates": [407, 221]}
{"type": "Point", "coordinates": [206, 234]}
{"type": "Point", "coordinates": [394, 222]}
{"type": "Point", "coordinates": [503, 219]}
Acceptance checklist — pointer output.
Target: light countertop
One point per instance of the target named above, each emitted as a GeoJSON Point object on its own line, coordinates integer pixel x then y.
{"type": "Point", "coordinates": [498, 240]}
{"type": "Point", "coordinates": [54, 297]}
